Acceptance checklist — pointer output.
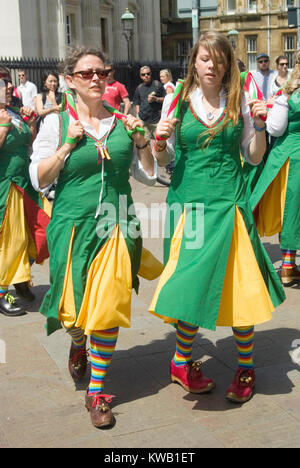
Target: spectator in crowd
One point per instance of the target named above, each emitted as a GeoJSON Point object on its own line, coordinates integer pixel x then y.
{"type": "Point", "coordinates": [49, 100]}
{"type": "Point", "coordinates": [13, 98]}
{"type": "Point", "coordinates": [148, 99]}
{"type": "Point", "coordinates": [264, 75]}
{"type": "Point", "coordinates": [115, 92]}
{"type": "Point", "coordinates": [281, 76]}
{"type": "Point", "coordinates": [167, 80]}
{"type": "Point", "coordinates": [26, 90]}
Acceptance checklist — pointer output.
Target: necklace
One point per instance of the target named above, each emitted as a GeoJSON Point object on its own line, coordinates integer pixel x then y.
{"type": "Point", "coordinates": [210, 116]}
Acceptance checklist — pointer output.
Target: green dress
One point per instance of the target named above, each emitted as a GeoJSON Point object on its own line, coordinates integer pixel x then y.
{"type": "Point", "coordinates": [208, 185]}
{"type": "Point", "coordinates": [76, 201]}
{"type": "Point", "coordinates": [271, 186]}
{"type": "Point", "coordinates": [14, 170]}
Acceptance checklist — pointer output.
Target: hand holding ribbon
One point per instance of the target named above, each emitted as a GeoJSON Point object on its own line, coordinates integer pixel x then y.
{"type": "Point", "coordinates": [68, 104]}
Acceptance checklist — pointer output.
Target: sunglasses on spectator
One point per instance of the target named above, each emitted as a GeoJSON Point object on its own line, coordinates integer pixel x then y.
{"type": "Point", "coordinates": [89, 74]}
{"type": "Point", "coordinates": [283, 64]}
{"type": "Point", "coordinates": [146, 74]}
{"type": "Point", "coordinates": [263, 61]}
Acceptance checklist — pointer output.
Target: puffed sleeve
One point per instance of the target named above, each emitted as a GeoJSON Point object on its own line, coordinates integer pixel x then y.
{"type": "Point", "coordinates": [44, 146]}
{"type": "Point", "coordinates": [277, 120]}
{"type": "Point", "coordinates": [248, 131]}
{"type": "Point", "coordinates": [138, 172]}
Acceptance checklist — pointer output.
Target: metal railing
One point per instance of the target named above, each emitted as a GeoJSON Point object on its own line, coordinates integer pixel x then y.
{"type": "Point", "coordinates": [128, 74]}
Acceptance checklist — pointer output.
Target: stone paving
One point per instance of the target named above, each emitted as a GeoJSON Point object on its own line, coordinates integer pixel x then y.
{"type": "Point", "coordinates": [41, 407]}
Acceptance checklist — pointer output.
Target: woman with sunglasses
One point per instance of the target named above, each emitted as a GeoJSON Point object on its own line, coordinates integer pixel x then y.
{"type": "Point", "coordinates": [282, 76]}
{"type": "Point", "coordinates": [94, 236]}
{"type": "Point", "coordinates": [275, 200]}
{"type": "Point", "coordinates": [23, 220]}
{"type": "Point", "coordinates": [217, 272]}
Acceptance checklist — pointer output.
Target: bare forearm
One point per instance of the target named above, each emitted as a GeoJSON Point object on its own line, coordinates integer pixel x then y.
{"type": "Point", "coordinates": [257, 147]}
{"type": "Point", "coordinates": [50, 168]}
{"type": "Point", "coordinates": [146, 158]}
{"type": "Point", "coordinates": [162, 157]}
{"type": "Point", "coordinates": [3, 134]}
{"type": "Point", "coordinates": [127, 105]}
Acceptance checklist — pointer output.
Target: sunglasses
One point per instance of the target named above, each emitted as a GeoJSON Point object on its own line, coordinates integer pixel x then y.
{"type": "Point", "coordinates": [263, 61]}
{"type": "Point", "coordinates": [283, 64]}
{"type": "Point", "coordinates": [145, 74]}
{"type": "Point", "coordinates": [89, 74]}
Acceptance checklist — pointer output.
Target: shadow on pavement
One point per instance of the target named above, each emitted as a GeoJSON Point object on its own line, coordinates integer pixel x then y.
{"type": "Point", "coordinates": [146, 371]}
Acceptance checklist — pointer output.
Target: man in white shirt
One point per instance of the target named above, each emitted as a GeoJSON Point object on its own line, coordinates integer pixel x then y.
{"type": "Point", "coordinates": [27, 90]}
{"type": "Point", "coordinates": [263, 76]}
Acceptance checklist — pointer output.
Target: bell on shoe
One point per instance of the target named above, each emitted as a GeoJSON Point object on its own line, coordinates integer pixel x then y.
{"type": "Point", "coordinates": [97, 406]}
{"type": "Point", "coordinates": [290, 276]}
{"type": "Point", "coordinates": [191, 378]}
{"type": "Point", "coordinates": [241, 389]}
{"type": "Point", "coordinates": [77, 362]}
{"type": "Point", "coordinates": [10, 307]}
{"type": "Point", "coordinates": [23, 291]}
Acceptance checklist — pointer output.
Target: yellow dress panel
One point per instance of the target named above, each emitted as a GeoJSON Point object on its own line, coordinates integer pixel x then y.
{"type": "Point", "coordinates": [16, 243]}
{"type": "Point", "coordinates": [271, 206]}
{"type": "Point", "coordinates": [245, 299]}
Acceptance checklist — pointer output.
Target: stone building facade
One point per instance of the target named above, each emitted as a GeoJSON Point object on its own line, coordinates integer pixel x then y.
{"type": "Point", "coordinates": [253, 26]}
{"type": "Point", "coordinates": [44, 28]}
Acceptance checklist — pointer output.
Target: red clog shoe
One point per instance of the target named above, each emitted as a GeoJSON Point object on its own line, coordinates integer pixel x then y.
{"type": "Point", "coordinates": [242, 387]}
{"type": "Point", "coordinates": [191, 378]}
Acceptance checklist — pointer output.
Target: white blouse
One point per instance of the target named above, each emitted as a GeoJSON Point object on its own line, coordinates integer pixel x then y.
{"type": "Point", "coordinates": [47, 141]}
{"type": "Point", "coordinates": [196, 99]}
{"type": "Point", "coordinates": [278, 116]}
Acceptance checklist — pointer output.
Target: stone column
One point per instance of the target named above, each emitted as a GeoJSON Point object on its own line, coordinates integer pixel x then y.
{"type": "Point", "coordinates": [149, 29]}
{"type": "Point", "coordinates": [52, 30]}
{"type": "Point", "coordinates": [61, 27]}
{"type": "Point", "coordinates": [90, 13]}
{"type": "Point", "coordinates": [43, 16]}
{"type": "Point", "coordinates": [119, 41]}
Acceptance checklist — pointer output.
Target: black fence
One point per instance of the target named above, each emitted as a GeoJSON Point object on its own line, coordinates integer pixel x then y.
{"type": "Point", "coordinates": [128, 74]}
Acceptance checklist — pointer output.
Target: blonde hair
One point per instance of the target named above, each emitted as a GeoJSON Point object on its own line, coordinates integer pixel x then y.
{"type": "Point", "coordinates": [217, 44]}
{"type": "Point", "coordinates": [294, 82]}
{"type": "Point", "coordinates": [168, 73]}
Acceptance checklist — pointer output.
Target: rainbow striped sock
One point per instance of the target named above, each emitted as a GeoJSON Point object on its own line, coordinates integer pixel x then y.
{"type": "Point", "coordinates": [3, 290]}
{"type": "Point", "coordinates": [244, 337]}
{"type": "Point", "coordinates": [78, 337]}
{"type": "Point", "coordinates": [288, 258]}
{"type": "Point", "coordinates": [186, 334]}
{"type": "Point", "coordinates": [102, 347]}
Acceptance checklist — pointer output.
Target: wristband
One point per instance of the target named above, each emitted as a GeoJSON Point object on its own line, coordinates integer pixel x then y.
{"type": "Point", "coordinates": [259, 129]}
{"type": "Point", "coordinates": [5, 125]}
{"type": "Point", "coordinates": [159, 149]}
{"type": "Point", "coordinates": [143, 146]}
{"type": "Point", "coordinates": [71, 141]}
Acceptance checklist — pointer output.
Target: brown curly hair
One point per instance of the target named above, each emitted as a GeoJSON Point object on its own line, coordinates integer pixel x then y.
{"type": "Point", "coordinates": [67, 66]}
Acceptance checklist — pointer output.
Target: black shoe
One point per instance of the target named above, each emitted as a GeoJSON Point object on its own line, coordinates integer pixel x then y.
{"type": "Point", "coordinates": [10, 307]}
{"type": "Point", "coordinates": [23, 292]}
